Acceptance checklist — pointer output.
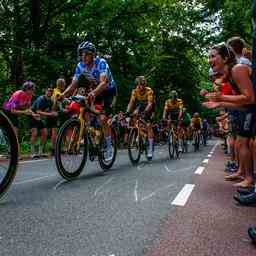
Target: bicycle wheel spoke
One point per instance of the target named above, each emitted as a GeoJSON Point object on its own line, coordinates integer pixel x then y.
{"type": "Point", "coordinates": [71, 150]}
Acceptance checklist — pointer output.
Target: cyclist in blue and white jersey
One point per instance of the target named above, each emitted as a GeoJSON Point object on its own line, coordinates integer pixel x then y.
{"type": "Point", "coordinates": [95, 70]}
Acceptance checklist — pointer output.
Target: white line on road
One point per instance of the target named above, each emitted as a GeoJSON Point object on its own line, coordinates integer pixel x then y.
{"type": "Point", "coordinates": [34, 161]}
{"type": "Point", "coordinates": [199, 170]}
{"type": "Point", "coordinates": [183, 196]}
{"type": "Point", "coordinates": [135, 191]}
{"type": "Point", "coordinates": [139, 167]}
{"type": "Point", "coordinates": [205, 161]}
{"type": "Point", "coordinates": [214, 147]}
{"type": "Point", "coordinates": [166, 168]}
{"type": "Point", "coordinates": [104, 184]}
{"type": "Point", "coordinates": [210, 155]}
{"type": "Point", "coordinates": [35, 179]}
{"type": "Point", "coordinates": [59, 184]}
{"type": "Point", "coordinates": [154, 193]}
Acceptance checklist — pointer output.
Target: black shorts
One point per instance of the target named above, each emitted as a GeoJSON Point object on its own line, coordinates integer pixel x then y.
{"type": "Point", "coordinates": [48, 123]}
{"type": "Point", "coordinates": [246, 124]}
{"type": "Point", "coordinates": [173, 116]}
{"type": "Point", "coordinates": [233, 122]}
{"type": "Point", "coordinates": [38, 124]}
{"type": "Point", "coordinates": [52, 122]}
{"type": "Point", "coordinates": [106, 99]}
{"type": "Point", "coordinates": [149, 115]}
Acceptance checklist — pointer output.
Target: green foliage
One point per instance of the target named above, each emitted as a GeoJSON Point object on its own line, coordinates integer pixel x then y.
{"type": "Point", "coordinates": [163, 39]}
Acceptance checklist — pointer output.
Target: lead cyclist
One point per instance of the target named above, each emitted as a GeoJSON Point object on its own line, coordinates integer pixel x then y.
{"type": "Point", "coordinates": [104, 91]}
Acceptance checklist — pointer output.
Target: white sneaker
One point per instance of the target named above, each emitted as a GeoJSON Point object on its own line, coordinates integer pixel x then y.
{"type": "Point", "coordinates": [33, 156]}
{"type": "Point", "coordinates": [109, 154]}
{"type": "Point", "coordinates": [150, 154]}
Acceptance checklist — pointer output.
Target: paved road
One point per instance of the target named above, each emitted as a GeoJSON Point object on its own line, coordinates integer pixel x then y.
{"type": "Point", "coordinates": [117, 213]}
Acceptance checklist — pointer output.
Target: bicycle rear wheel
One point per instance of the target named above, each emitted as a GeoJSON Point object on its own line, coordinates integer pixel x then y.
{"type": "Point", "coordinates": [196, 141]}
{"type": "Point", "coordinates": [104, 163]}
{"type": "Point", "coordinates": [9, 149]}
{"type": "Point", "coordinates": [171, 146]}
{"type": "Point", "coordinates": [69, 157]}
{"type": "Point", "coordinates": [134, 146]}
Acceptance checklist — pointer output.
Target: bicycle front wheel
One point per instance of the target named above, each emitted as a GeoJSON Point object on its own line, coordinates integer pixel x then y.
{"type": "Point", "coordinates": [9, 149]}
{"type": "Point", "coordinates": [106, 161]}
{"type": "Point", "coordinates": [70, 150]}
{"type": "Point", "coordinates": [134, 146]}
{"type": "Point", "coordinates": [171, 145]}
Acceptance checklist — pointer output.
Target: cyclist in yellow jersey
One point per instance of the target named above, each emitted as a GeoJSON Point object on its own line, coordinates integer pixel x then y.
{"type": "Point", "coordinates": [173, 111]}
{"type": "Point", "coordinates": [143, 98]}
{"type": "Point", "coordinates": [173, 108]}
{"type": "Point", "coordinates": [196, 122]}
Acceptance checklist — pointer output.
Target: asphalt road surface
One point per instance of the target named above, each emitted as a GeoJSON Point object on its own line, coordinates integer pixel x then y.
{"type": "Point", "coordinates": [117, 213]}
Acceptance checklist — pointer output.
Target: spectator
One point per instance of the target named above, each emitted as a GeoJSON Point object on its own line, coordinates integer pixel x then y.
{"type": "Point", "coordinates": [222, 59]}
{"type": "Point", "coordinates": [20, 104]}
{"type": "Point", "coordinates": [43, 106]}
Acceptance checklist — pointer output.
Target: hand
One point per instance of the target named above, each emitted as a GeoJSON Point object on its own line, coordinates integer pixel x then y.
{"type": "Point", "coordinates": [211, 104]}
{"type": "Point", "coordinates": [214, 96]}
{"type": "Point", "coordinates": [60, 97]}
{"type": "Point", "coordinates": [54, 114]}
{"type": "Point", "coordinates": [91, 97]}
{"type": "Point", "coordinates": [203, 92]}
{"type": "Point", "coordinates": [36, 116]}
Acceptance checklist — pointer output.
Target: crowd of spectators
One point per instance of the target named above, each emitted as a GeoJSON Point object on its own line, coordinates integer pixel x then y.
{"type": "Point", "coordinates": [233, 93]}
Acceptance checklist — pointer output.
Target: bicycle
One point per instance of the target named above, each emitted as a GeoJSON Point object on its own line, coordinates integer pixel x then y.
{"type": "Point", "coordinates": [9, 149]}
{"type": "Point", "coordinates": [183, 141]}
{"type": "Point", "coordinates": [138, 140]}
{"type": "Point", "coordinates": [196, 139]}
{"type": "Point", "coordinates": [173, 143]}
{"type": "Point", "coordinates": [80, 136]}
{"type": "Point", "coordinates": [204, 137]}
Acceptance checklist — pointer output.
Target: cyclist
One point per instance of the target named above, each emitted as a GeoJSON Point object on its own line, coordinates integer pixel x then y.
{"type": "Point", "coordinates": [143, 97]}
{"type": "Point", "coordinates": [94, 72]}
{"type": "Point", "coordinates": [205, 129]}
{"type": "Point", "coordinates": [196, 123]}
{"type": "Point", "coordinates": [186, 120]}
{"type": "Point", "coordinates": [173, 111]}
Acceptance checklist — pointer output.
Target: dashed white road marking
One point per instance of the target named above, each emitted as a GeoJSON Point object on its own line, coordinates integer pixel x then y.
{"type": "Point", "coordinates": [183, 196]}
{"type": "Point", "coordinates": [136, 191]}
{"type": "Point", "coordinates": [210, 155]}
{"type": "Point", "coordinates": [199, 170]}
{"type": "Point", "coordinates": [155, 192]}
{"type": "Point", "coordinates": [102, 186]}
{"type": "Point", "coordinates": [205, 161]}
{"type": "Point", "coordinates": [35, 179]}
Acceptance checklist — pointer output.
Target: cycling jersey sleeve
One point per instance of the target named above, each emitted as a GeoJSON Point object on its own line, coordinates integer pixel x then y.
{"type": "Point", "coordinates": [103, 67]}
{"type": "Point", "coordinates": [150, 96]}
{"type": "Point", "coordinates": [166, 106]}
{"type": "Point", "coordinates": [180, 104]}
{"type": "Point", "coordinates": [78, 72]}
{"type": "Point", "coordinates": [133, 95]}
